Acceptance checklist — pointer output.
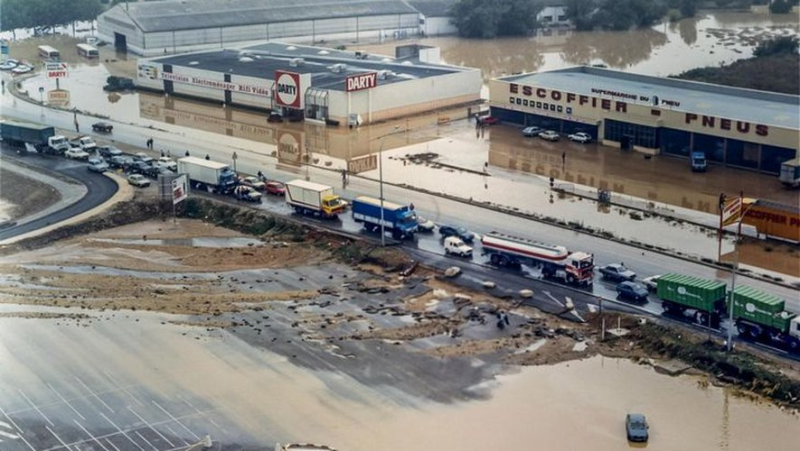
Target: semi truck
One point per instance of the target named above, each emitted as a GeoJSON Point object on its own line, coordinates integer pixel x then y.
{"type": "Point", "coordinates": [208, 175]}
{"type": "Point", "coordinates": [556, 261]}
{"type": "Point", "coordinates": [41, 138]}
{"type": "Point", "coordinates": [400, 220]}
{"type": "Point", "coordinates": [310, 198]}
{"type": "Point", "coordinates": [790, 173]}
{"type": "Point", "coordinates": [762, 316]}
{"type": "Point", "coordinates": [703, 299]}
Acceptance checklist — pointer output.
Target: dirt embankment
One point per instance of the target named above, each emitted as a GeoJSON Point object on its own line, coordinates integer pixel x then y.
{"type": "Point", "coordinates": [28, 195]}
{"type": "Point", "coordinates": [117, 262]}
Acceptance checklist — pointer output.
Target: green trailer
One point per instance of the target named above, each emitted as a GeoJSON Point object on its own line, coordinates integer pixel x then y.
{"type": "Point", "coordinates": [760, 315]}
{"type": "Point", "coordinates": [703, 298]}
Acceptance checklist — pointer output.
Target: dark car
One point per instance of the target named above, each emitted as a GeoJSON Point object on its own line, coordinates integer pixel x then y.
{"type": "Point", "coordinates": [109, 151]}
{"type": "Point", "coordinates": [636, 427]}
{"type": "Point", "coordinates": [139, 167]}
{"type": "Point", "coordinates": [275, 188]}
{"type": "Point", "coordinates": [617, 271]}
{"type": "Point", "coordinates": [632, 290]}
{"type": "Point", "coordinates": [465, 235]}
{"type": "Point", "coordinates": [102, 127]}
{"type": "Point", "coordinates": [120, 162]}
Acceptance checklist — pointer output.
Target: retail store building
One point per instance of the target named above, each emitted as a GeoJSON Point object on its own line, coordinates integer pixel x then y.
{"type": "Point", "coordinates": [735, 127]}
{"type": "Point", "coordinates": [314, 83]}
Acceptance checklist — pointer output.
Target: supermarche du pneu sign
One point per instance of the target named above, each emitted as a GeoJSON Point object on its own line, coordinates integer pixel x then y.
{"type": "Point", "coordinates": [56, 70]}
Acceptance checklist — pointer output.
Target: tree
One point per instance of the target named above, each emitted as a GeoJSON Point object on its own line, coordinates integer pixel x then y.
{"type": "Point", "coordinates": [615, 14]}
{"type": "Point", "coordinates": [777, 46]}
{"type": "Point", "coordinates": [492, 18]}
{"type": "Point", "coordinates": [688, 8]}
{"type": "Point", "coordinates": [780, 7]}
{"type": "Point", "coordinates": [46, 14]}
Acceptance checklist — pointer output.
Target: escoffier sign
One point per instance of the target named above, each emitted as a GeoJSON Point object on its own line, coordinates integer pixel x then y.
{"type": "Point", "coordinates": [287, 89]}
{"type": "Point", "coordinates": [361, 81]}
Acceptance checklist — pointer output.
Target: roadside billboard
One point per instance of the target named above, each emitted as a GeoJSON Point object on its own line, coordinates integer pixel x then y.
{"type": "Point", "coordinates": [58, 97]}
{"type": "Point", "coordinates": [180, 189]}
{"type": "Point", "coordinates": [363, 164]}
{"type": "Point", "coordinates": [56, 69]}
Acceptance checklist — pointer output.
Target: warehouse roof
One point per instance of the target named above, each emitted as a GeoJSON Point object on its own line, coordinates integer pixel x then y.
{"type": "Point", "coordinates": [171, 15]}
{"type": "Point", "coordinates": [433, 8]}
{"type": "Point", "coordinates": [781, 110]}
{"type": "Point", "coordinates": [263, 60]}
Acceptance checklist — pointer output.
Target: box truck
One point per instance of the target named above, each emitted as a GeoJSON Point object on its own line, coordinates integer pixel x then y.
{"type": "Point", "coordinates": [400, 220]}
{"type": "Point", "coordinates": [310, 198]}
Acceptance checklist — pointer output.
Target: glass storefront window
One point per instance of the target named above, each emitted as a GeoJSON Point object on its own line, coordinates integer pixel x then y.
{"type": "Point", "coordinates": [675, 142]}
{"type": "Point", "coordinates": [713, 146]}
{"type": "Point", "coordinates": [631, 134]}
{"type": "Point", "coordinates": [743, 154]}
{"type": "Point", "coordinates": [772, 157]}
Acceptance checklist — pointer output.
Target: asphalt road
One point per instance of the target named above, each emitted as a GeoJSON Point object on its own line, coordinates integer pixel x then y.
{"type": "Point", "coordinates": [99, 189]}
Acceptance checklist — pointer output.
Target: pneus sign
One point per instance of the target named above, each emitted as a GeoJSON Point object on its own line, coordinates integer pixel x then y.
{"type": "Point", "coordinates": [290, 88]}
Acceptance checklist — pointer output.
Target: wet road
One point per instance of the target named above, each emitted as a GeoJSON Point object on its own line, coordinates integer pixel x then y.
{"type": "Point", "coordinates": [99, 189]}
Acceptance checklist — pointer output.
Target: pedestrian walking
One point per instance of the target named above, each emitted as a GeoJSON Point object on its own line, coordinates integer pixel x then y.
{"type": "Point", "coordinates": [208, 157]}
{"type": "Point", "coordinates": [411, 206]}
{"type": "Point", "coordinates": [187, 153]}
{"type": "Point", "coordinates": [563, 158]}
{"type": "Point", "coordinates": [162, 153]}
{"type": "Point", "coordinates": [260, 176]}
{"type": "Point", "coordinates": [344, 178]}
{"type": "Point", "coordinates": [77, 127]}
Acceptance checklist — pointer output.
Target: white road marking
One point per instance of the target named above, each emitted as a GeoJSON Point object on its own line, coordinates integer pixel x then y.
{"type": "Point", "coordinates": [148, 442]}
{"type": "Point", "coordinates": [9, 435]}
{"type": "Point", "coordinates": [94, 394]}
{"type": "Point", "coordinates": [112, 444]}
{"type": "Point", "coordinates": [175, 434]}
{"type": "Point", "coordinates": [120, 430]}
{"type": "Point", "coordinates": [35, 407]}
{"type": "Point", "coordinates": [118, 385]}
{"type": "Point", "coordinates": [90, 435]}
{"type": "Point", "coordinates": [175, 420]}
{"type": "Point", "coordinates": [18, 429]}
{"type": "Point", "coordinates": [5, 425]}
{"type": "Point", "coordinates": [150, 426]}
{"type": "Point", "coordinates": [66, 402]}
{"type": "Point", "coordinates": [57, 437]}
{"type": "Point", "coordinates": [210, 420]}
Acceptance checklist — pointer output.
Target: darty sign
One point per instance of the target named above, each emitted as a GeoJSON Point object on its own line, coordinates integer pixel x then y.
{"type": "Point", "coordinates": [262, 91]}
{"type": "Point", "coordinates": [361, 81]}
{"type": "Point", "coordinates": [287, 89]}
{"type": "Point", "coordinates": [538, 97]}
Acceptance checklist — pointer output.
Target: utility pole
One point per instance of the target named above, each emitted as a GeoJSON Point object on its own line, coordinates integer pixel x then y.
{"type": "Point", "coordinates": [380, 177]}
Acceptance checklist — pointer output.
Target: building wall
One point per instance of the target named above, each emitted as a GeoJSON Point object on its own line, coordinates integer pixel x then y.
{"type": "Point", "coordinates": [407, 97]}
{"type": "Point", "coordinates": [553, 15]}
{"type": "Point", "coordinates": [435, 26]}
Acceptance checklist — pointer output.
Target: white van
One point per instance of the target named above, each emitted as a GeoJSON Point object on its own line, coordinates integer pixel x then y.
{"type": "Point", "coordinates": [88, 51]}
{"type": "Point", "coordinates": [47, 52]}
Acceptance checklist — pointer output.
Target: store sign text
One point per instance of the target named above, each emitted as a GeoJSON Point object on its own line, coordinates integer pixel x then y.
{"type": "Point", "coordinates": [361, 81]}
{"type": "Point", "coordinates": [216, 84]}
{"type": "Point", "coordinates": [726, 124]}
{"type": "Point", "coordinates": [558, 96]}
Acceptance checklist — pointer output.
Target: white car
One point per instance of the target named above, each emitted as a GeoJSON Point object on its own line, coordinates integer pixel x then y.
{"type": "Point", "coordinates": [580, 137]}
{"type": "Point", "coordinates": [75, 153]}
{"type": "Point", "coordinates": [549, 135]}
{"type": "Point", "coordinates": [167, 162]}
{"type": "Point", "coordinates": [8, 65]}
{"type": "Point", "coordinates": [253, 182]}
{"type": "Point", "coordinates": [425, 225]}
{"type": "Point", "coordinates": [21, 69]}
{"type": "Point", "coordinates": [138, 180]}
{"type": "Point", "coordinates": [454, 245]}
{"type": "Point", "coordinates": [651, 283]}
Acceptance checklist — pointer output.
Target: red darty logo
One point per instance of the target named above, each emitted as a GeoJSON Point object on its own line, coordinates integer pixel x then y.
{"type": "Point", "coordinates": [287, 89]}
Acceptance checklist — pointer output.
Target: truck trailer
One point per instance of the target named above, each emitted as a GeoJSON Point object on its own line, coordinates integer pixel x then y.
{"type": "Point", "coordinates": [703, 299]}
{"type": "Point", "coordinates": [790, 173]}
{"type": "Point", "coordinates": [310, 198]}
{"type": "Point", "coordinates": [400, 220]}
{"type": "Point", "coordinates": [762, 316]}
{"type": "Point", "coordinates": [207, 175]}
{"type": "Point", "coordinates": [41, 138]}
{"type": "Point", "coordinates": [556, 261]}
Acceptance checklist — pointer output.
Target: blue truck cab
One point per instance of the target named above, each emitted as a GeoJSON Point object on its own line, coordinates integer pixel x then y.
{"type": "Point", "coordinates": [400, 220]}
{"type": "Point", "coordinates": [699, 163]}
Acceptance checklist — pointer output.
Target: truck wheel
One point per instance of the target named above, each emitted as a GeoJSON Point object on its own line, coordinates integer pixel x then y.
{"type": "Point", "coordinates": [503, 260]}
{"type": "Point", "coordinates": [701, 318]}
{"type": "Point", "coordinates": [794, 344]}
{"type": "Point", "coordinates": [570, 280]}
{"type": "Point", "coordinates": [743, 329]}
{"type": "Point", "coordinates": [495, 259]}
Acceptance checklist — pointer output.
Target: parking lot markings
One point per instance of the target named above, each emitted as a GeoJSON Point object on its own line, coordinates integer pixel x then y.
{"type": "Point", "coordinates": [118, 385]}
{"type": "Point", "coordinates": [150, 426]}
{"type": "Point", "coordinates": [57, 437]}
{"type": "Point", "coordinates": [210, 420]}
{"type": "Point", "coordinates": [94, 394]}
{"type": "Point", "coordinates": [113, 445]}
{"type": "Point", "coordinates": [120, 430]}
{"type": "Point", "coordinates": [10, 420]}
{"type": "Point", "coordinates": [66, 402]}
{"type": "Point", "coordinates": [35, 407]}
{"type": "Point", "coordinates": [175, 434]}
{"type": "Point", "coordinates": [90, 435]}
{"type": "Point", "coordinates": [146, 441]}
{"type": "Point", "coordinates": [175, 420]}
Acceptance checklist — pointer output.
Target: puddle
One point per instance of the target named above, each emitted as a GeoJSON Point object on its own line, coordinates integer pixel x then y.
{"type": "Point", "coordinates": [216, 242]}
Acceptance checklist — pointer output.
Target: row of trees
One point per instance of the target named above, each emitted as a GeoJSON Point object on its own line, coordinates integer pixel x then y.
{"type": "Point", "coordinates": [42, 15]}
{"type": "Point", "coordinates": [492, 18]}
{"type": "Point", "coordinates": [615, 14]}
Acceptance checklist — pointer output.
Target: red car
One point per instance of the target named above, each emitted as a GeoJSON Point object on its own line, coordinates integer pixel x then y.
{"type": "Point", "coordinates": [488, 120]}
{"type": "Point", "coordinates": [276, 188]}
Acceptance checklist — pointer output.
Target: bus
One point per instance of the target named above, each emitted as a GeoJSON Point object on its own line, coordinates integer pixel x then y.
{"type": "Point", "coordinates": [47, 52]}
{"type": "Point", "coordinates": [88, 51]}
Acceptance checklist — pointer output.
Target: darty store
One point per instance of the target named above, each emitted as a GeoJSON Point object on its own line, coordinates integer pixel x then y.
{"type": "Point", "coordinates": [735, 127]}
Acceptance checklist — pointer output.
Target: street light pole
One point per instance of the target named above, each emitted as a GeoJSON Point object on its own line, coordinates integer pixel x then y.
{"type": "Point", "coordinates": [735, 269]}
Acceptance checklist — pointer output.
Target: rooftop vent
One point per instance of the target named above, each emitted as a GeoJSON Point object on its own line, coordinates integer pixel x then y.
{"type": "Point", "coordinates": [246, 59]}
{"type": "Point", "coordinates": [338, 68]}
{"type": "Point", "coordinates": [193, 63]}
{"type": "Point", "coordinates": [297, 62]}
{"type": "Point", "coordinates": [291, 48]}
{"type": "Point", "coordinates": [324, 52]}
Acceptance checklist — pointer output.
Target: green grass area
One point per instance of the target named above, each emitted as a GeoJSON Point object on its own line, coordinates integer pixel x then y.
{"type": "Point", "coordinates": [777, 73]}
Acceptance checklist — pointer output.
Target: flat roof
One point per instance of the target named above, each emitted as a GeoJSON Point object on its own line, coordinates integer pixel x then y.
{"type": "Point", "coordinates": [761, 107]}
{"type": "Point", "coordinates": [263, 60]}
{"type": "Point", "coordinates": [187, 15]}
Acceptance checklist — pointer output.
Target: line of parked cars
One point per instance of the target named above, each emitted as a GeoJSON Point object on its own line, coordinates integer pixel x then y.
{"type": "Point", "coordinates": [550, 135]}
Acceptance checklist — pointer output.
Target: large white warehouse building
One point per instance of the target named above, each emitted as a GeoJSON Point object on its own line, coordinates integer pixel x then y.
{"type": "Point", "coordinates": [313, 83]}
{"type": "Point", "coordinates": [172, 26]}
